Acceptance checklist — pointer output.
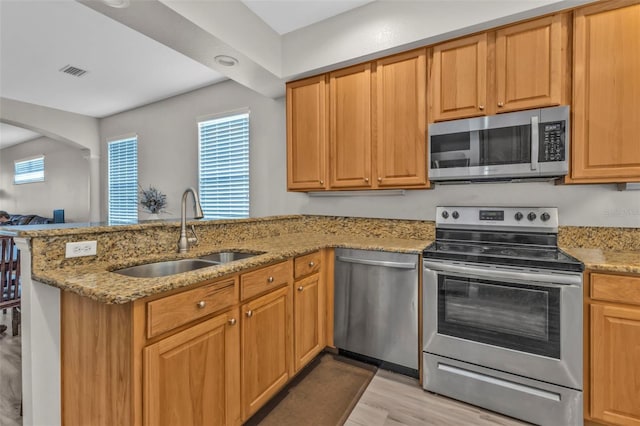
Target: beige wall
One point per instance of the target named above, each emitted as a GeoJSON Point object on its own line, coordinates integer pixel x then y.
{"type": "Point", "coordinates": [66, 184]}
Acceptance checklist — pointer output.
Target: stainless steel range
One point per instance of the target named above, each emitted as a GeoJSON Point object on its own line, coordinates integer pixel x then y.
{"type": "Point", "coordinates": [503, 314]}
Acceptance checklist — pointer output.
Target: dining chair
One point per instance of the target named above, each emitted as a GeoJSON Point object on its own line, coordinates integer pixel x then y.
{"type": "Point", "coordinates": [10, 288]}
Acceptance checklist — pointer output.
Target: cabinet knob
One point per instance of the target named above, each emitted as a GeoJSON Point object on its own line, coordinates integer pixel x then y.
{"type": "Point", "coordinates": [500, 104]}
{"type": "Point", "coordinates": [201, 304]}
{"type": "Point", "coordinates": [300, 288]}
{"type": "Point", "coordinates": [366, 179]}
{"type": "Point", "coordinates": [311, 264]}
{"type": "Point", "coordinates": [232, 321]}
{"type": "Point", "coordinates": [481, 107]}
{"type": "Point", "coordinates": [379, 179]}
{"type": "Point", "coordinates": [270, 279]}
{"type": "Point", "coordinates": [249, 314]}
{"type": "Point", "coordinates": [321, 182]}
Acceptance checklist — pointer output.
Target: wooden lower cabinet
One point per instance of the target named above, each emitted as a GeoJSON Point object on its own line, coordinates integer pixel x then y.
{"type": "Point", "coordinates": [614, 349]}
{"type": "Point", "coordinates": [309, 319]}
{"type": "Point", "coordinates": [266, 348]}
{"type": "Point", "coordinates": [193, 377]}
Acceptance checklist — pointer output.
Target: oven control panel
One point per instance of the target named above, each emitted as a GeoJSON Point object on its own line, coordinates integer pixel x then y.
{"type": "Point", "coordinates": [526, 218]}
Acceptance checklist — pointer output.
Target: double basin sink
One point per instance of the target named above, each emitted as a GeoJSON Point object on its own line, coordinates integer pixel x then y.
{"type": "Point", "coordinates": [171, 267]}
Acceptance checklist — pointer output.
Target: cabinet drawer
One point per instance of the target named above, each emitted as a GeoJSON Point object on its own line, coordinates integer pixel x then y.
{"type": "Point", "coordinates": [307, 264]}
{"type": "Point", "coordinates": [265, 279]}
{"type": "Point", "coordinates": [615, 288]}
{"type": "Point", "coordinates": [173, 311]}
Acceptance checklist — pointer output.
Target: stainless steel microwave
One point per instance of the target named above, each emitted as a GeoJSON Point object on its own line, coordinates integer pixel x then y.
{"type": "Point", "coordinates": [512, 146]}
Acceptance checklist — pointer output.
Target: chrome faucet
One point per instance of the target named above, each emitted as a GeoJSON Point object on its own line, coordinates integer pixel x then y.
{"type": "Point", "coordinates": [185, 242]}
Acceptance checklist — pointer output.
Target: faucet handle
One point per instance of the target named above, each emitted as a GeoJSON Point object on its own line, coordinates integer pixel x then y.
{"type": "Point", "coordinates": [193, 240]}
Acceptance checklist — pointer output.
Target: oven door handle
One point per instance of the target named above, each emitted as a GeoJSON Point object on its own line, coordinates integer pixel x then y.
{"type": "Point", "coordinates": [493, 273]}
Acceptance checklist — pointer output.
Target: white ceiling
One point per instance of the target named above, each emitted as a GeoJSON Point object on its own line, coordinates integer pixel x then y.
{"type": "Point", "coordinates": [11, 135]}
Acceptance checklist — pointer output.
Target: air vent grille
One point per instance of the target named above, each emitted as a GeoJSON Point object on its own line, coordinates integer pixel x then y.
{"type": "Point", "coordinates": [74, 71]}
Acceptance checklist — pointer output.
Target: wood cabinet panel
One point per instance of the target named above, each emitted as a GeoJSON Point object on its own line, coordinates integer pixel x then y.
{"type": "Point", "coordinates": [307, 264]}
{"type": "Point", "coordinates": [459, 78]}
{"type": "Point", "coordinates": [173, 311]}
{"type": "Point", "coordinates": [606, 91]}
{"type": "Point", "coordinates": [193, 377]}
{"type": "Point", "coordinates": [266, 348]}
{"type": "Point", "coordinates": [615, 371]}
{"type": "Point", "coordinates": [309, 319]}
{"type": "Point", "coordinates": [400, 120]}
{"type": "Point", "coordinates": [350, 127]}
{"type": "Point", "coordinates": [264, 279]}
{"type": "Point", "coordinates": [531, 63]}
{"type": "Point", "coordinates": [307, 127]}
{"type": "Point", "coordinates": [615, 288]}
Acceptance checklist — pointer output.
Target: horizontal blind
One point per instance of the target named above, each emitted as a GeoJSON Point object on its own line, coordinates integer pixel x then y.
{"type": "Point", "coordinates": [123, 180]}
{"type": "Point", "coordinates": [224, 166]}
{"type": "Point", "coordinates": [27, 171]}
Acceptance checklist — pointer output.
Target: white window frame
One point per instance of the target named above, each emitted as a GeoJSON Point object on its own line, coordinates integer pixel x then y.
{"type": "Point", "coordinates": [31, 176]}
{"type": "Point", "coordinates": [233, 203]}
{"type": "Point", "coordinates": [125, 209]}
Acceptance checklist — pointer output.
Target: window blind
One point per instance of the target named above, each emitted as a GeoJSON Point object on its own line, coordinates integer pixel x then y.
{"type": "Point", "coordinates": [123, 180]}
{"type": "Point", "coordinates": [27, 171]}
{"type": "Point", "coordinates": [224, 166]}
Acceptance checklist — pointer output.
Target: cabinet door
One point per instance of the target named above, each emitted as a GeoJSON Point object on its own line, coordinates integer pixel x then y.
{"type": "Point", "coordinates": [266, 348]}
{"type": "Point", "coordinates": [350, 123]}
{"type": "Point", "coordinates": [532, 64]}
{"type": "Point", "coordinates": [307, 124]}
{"type": "Point", "coordinates": [459, 78]}
{"type": "Point", "coordinates": [606, 91]}
{"type": "Point", "coordinates": [309, 320]}
{"type": "Point", "coordinates": [401, 119]}
{"type": "Point", "coordinates": [193, 377]}
{"type": "Point", "coordinates": [615, 366]}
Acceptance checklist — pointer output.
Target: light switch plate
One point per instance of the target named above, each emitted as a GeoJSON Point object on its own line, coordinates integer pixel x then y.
{"type": "Point", "coordinates": [81, 248]}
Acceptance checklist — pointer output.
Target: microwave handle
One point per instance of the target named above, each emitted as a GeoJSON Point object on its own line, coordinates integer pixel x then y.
{"type": "Point", "coordinates": [535, 142]}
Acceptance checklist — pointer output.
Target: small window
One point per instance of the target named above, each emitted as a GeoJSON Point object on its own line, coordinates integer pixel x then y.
{"type": "Point", "coordinates": [27, 171]}
{"type": "Point", "coordinates": [224, 166]}
{"type": "Point", "coordinates": [123, 180]}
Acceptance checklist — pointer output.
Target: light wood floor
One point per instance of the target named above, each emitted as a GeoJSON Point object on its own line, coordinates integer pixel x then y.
{"type": "Point", "coordinates": [10, 380]}
{"type": "Point", "coordinates": [393, 400]}
{"type": "Point", "coordinates": [390, 399]}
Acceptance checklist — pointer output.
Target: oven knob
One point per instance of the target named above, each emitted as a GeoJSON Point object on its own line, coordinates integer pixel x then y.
{"type": "Point", "coordinates": [445, 214]}
{"type": "Point", "coordinates": [519, 216]}
{"type": "Point", "coordinates": [545, 217]}
{"type": "Point", "coordinates": [455, 214]}
{"type": "Point", "coordinates": [531, 216]}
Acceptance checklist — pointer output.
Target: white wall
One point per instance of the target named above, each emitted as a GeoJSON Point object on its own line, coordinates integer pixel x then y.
{"type": "Point", "coordinates": [168, 158]}
{"type": "Point", "coordinates": [168, 145]}
{"type": "Point", "coordinates": [66, 184]}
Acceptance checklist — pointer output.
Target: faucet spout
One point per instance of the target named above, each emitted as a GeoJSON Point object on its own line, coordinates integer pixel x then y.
{"type": "Point", "coordinates": [184, 242]}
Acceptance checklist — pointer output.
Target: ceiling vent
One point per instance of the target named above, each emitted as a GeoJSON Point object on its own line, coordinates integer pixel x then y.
{"type": "Point", "coordinates": [74, 71]}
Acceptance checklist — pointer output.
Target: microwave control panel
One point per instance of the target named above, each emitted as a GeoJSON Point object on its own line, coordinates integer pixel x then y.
{"type": "Point", "coordinates": [552, 141]}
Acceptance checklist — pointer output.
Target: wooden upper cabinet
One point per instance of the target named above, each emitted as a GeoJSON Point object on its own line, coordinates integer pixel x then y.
{"type": "Point", "coordinates": [459, 78]}
{"type": "Point", "coordinates": [606, 93]}
{"type": "Point", "coordinates": [532, 64]}
{"type": "Point", "coordinates": [400, 112]}
{"type": "Point", "coordinates": [350, 124]}
{"type": "Point", "coordinates": [307, 126]}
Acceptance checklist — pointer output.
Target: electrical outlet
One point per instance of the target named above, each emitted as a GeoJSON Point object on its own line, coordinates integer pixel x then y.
{"type": "Point", "coordinates": [81, 248]}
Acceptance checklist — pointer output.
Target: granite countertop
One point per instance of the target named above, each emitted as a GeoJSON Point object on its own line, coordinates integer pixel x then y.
{"type": "Point", "coordinates": [595, 259]}
{"type": "Point", "coordinates": [95, 281]}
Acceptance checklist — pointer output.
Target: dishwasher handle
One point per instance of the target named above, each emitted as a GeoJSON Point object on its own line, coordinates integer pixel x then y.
{"type": "Point", "coordinates": [384, 263]}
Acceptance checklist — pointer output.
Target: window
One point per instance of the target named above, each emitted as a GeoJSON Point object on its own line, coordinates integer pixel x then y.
{"type": "Point", "coordinates": [224, 166]}
{"type": "Point", "coordinates": [27, 171]}
{"type": "Point", "coordinates": [123, 180]}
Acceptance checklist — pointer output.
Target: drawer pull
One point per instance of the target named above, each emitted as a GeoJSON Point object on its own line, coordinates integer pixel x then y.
{"type": "Point", "coordinates": [201, 304]}
{"type": "Point", "coordinates": [270, 279]}
{"type": "Point", "coordinates": [311, 264]}
{"type": "Point", "coordinates": [300, 288]}
{"type": "Point", "coordinates": [249, 314]}
{"type": "Point", "coordinates": [232, 321]}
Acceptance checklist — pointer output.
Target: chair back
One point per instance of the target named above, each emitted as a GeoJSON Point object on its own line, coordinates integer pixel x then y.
{"type": "Point", "coordinates": [10, 289]}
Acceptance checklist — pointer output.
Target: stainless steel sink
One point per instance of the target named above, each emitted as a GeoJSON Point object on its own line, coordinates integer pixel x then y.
{"type": "Point", "coordinates": [228, 256]}
{"type": "Point", "coordinates": [162, 269]}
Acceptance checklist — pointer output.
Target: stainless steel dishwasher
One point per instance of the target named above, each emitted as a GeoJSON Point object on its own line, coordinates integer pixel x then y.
{"type": "Point", "coordinates": [376, 306]}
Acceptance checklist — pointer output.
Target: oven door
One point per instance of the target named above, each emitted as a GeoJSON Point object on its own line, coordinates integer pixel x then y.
{"type": "Point", "coordinates": [523, 322]}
